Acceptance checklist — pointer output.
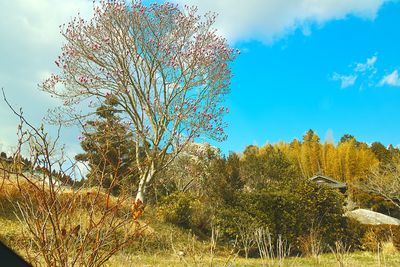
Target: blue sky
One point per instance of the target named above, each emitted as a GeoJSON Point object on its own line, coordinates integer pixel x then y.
{"type": "Point", "coordinates": [281, 90]}
{"type": "Point", "coordinates": [332, 66]}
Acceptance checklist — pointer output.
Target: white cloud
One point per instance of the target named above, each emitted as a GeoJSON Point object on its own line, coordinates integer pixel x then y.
{"type": "Point", "coordinates": [391, 79]}
{"type": "Point", "coordinates": [5, 146]}
{"type": "Point", "coordinates": [30, 42]}
{"type": "Point", "coordinates": [270, 20]}
{"type": "Point", "coordinates": [369, 65]}
{"type": "Point", "coordinates": [364, 72]}
{"type": "Point", "coordinates": [345, 80]}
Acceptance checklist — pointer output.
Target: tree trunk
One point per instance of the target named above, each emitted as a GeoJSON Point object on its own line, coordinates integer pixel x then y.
{"type": "Point", "coordinates": [144, 181]}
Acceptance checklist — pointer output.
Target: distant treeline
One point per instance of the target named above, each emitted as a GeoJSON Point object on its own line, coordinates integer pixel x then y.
{"type": "Point", "coordinates": [348, 161]}
{"type": "Point", "coordinates": [25, 165]}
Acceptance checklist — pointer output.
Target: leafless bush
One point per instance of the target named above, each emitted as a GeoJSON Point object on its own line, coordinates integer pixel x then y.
{"type": "Point", "coordinates": [264, 243]}
{"type": "Point", "coordinates": [341, 253]}
{"type": "Point", "coordinates": [311, 244]}
{"type": "Point", "coordinates": [213, 241]}
{"type": "Point", "coordinates": [189, 251]}
{"type": "Point", "coordinates": [64, 225]}
{"type": "Point", "coordinates": [272, 254]}
{"type": "Point", "coordinates": [245, 236]}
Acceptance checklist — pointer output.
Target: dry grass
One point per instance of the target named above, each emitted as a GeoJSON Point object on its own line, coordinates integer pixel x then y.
{"type": "Point", "coordinates": [388, 248]}
{"type": "Point", "coordinates": [359, 259]}
{"type": "Point", "coordinates": [91, 205]}
{"type": "Point", "coordinates": [155, 248]}
{"type": "Point", "coordinates": [10, 233]}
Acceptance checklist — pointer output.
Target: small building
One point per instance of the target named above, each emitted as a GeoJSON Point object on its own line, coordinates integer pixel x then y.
{"type": "Point", "coordinates": [370, 217]}
{"type": "Point", "coordinates": [329, 182]}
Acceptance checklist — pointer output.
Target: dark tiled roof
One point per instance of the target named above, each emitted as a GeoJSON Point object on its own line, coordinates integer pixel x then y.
{"type": "Point", "coordinates": [320, 179]}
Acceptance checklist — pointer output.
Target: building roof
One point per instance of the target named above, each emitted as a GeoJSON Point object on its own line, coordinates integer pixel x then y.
{"type": "Point", "coordinates": [320, 179]}
{"type": "Point", "coordinates": [371, 217]}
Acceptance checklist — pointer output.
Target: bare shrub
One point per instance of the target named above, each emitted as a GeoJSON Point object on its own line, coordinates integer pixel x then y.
{"type": "Point", "coordinates": [341, 253]}
{"type": "Point", "coordinates": [376, 235]}
{"type": "Point", "coordinates": [245, 236]}
{"type": "Point", "coordinates": [193, 253]}
{"type": "Point", "coordinates": [264, 243]}
{"type": "Point", "coordinates": [64, 225]}
{"type": "Point", "coordinates": [311, 244]}
{"type": "Point", "coordinates": [272, 254]}
{"type": "Point", "coordinates": [189, 252]}
{"type": "Point", "coordinates": [215, 234]}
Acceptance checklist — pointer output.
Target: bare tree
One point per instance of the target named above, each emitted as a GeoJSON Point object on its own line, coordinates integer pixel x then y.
{"type": "Point", "coordinates": [192, 168]}
{"type": "Point", "coordinates": [64, 225]}
{"type": "Point", "coordinates": [167, 68]}
{"type": "Point", "coordinates": [385, 181]}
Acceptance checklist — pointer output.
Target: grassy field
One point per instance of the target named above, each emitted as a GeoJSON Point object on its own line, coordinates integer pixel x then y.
{"type": "Point", "coordinates": [10, 233]}
{"type": "Point", "coordinates": [159, 247]}
{"type": "Point", "coordinates": [358, 259]}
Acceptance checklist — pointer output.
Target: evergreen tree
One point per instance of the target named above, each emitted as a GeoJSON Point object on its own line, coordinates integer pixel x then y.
{"type": "Point", "coordinates": [109, 149]}
{"type": "Point", "coordinates": [347, 137]}
{"type": "Point", "coordinates": [233, 169]}
{"type": "Point", "coordinates": [382, 154]}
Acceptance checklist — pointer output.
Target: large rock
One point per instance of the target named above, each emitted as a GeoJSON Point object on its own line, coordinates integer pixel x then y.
{"type": "Point", "coordinates": [371, 217]}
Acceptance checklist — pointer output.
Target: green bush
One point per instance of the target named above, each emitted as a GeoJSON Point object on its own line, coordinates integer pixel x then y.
{"type": "Point", "coordinates": [177, 209]}
{"type": "Point", "coordinates": [186, 211]}
{"type": "Point", "coordinates": [292, 212]}
{"type": "Point", "coordinates": [353, 234]}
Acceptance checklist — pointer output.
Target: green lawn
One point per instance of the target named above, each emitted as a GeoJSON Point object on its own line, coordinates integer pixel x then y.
{"type": "Point", "coordinates": [359, 259]}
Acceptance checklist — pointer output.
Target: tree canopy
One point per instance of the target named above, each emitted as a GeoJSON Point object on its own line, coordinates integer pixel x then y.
{"type": "Point", "coordinates": [166, 67]}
